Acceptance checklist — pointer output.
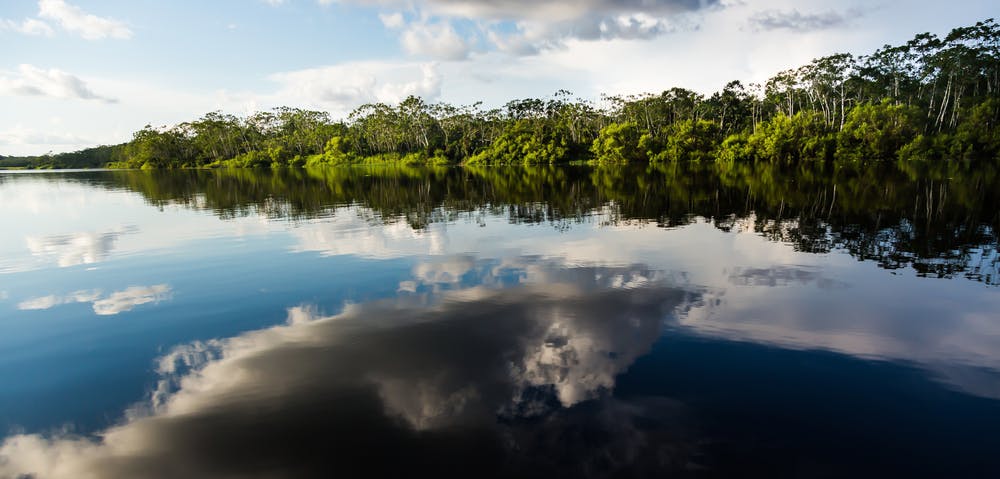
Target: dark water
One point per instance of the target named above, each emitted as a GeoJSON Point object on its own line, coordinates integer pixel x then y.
{"type": "Point", "coordinates": [550, 322]}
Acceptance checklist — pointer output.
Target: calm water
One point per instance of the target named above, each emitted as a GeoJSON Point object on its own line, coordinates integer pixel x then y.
{"type": "Point", "coordinates": [500, 322]}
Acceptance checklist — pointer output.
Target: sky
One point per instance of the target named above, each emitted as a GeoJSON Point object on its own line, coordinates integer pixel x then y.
{"type": "Point", "coordinates": [79, 73]}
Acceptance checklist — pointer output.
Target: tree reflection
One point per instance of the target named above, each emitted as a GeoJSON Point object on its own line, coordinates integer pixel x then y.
{"type": "Point", "coordinates": [941, 219]}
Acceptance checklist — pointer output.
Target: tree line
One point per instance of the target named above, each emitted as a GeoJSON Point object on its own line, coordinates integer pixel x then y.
{"type": "Point", "coordinates": [931, 98]}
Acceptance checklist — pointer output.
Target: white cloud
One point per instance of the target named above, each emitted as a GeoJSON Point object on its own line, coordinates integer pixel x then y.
{"type": "Point", "coordinates": [30, 80]}
{"type": "Point", "coordinates": [802, 22]}
{"type": "Point", "coordinates": [524, 27]}
{"type": "Point", "coordinates": [274, 3]}
{"type": "Point", "coordinates": [436, 40]}
{"type": "Point", "coordinates": [548, 10]}
{"type": "Point", "coordinates": [392, 20]}
{"type": "Point", "coordinates": [74, 20]}
{"type": "Point", "coordinates": [624, 65]}
{"type": "Point", "coordinates": [637, 25]}
{"type": "Point", "coordinates": [343, 87]}
{"type": "Point", "coordinates": [524, 42]}
{"type": "Point", "coordinates": [29, 26]}
{"type": "Point", "coordinates": [532, 37]}
{"type": "Point", "coordinates": [25, 136]}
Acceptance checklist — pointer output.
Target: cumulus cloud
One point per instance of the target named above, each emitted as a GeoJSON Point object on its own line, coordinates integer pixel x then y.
{"type": "Point", "coordinates": [74, 20]}
{"type": "Point", "coordinates": [549, 10]}
{"type": "Point", "coordinates": [523, 27]}
{"type": "Point", "coordinates": [392, 20]}
{"type": "Point", "coordinates": [30, 80]}
{"type": "Point", "coordinates": [29, 26]}
{"type": "Point", "coordinates": [522, 43]}
{"type": "Point", "coordinates": [345, 86]}
{"type": "Point", "coordinates": [797, 21]}
{"type": "Point", "coordinates": [115, 303]}
{"type": "Point", "coordinates": [531, 37]}
{"type": "Point", "coordinates": [434, 39]}
{"type": "Point", "coordinates": [395, 375]}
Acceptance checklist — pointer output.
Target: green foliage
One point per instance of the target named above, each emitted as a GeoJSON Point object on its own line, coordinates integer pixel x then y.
{"type": "Point", "coordinates": [618, 143]}
{"type": "Point", "coordinates": [978, 133]}
{"type": "Point", "coordinates": [338, 151]}
{"type": "Point", "coordinates": [788, 139]}
{"type": "Point", "coordinates": [735, 148]}
{"type": "Point", "coordinates": [152, 148]}
{"type": "Point", "coordinates": [526, 142]}
{"type": "Point", "coordinates": [96, 157]}
{"type": "Point", "coordinates": [253, 159]}
{"type": "Point", "coordinates": [877, 131]}
{"type": "Point", "coordinates": [689, 140]}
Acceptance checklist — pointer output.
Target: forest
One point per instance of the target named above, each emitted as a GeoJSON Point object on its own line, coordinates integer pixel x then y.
{"type": "Point", "coordinates": [931, 98]}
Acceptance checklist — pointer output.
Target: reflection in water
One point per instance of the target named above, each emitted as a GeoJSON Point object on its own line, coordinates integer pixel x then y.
{"type": "Point", "coordinates": [533, 325]}
{"type": "Point", "coordinates": [940, 220]}
{"type": "Point", "coordinates": [955, 339]}
{"type": "Point", "coordinates": [77, 248]}
{"type": "Point", "coordinates": [350, 233]}
{"type": "Point", "coordinates": [114, 303]}
{"type": "Point", "coordinates": [121, 301]}
{"type": "Point", "coordinates": [781, 276]}
{"type": "Point", "coordinates": [479, 381]}
{"type": "Point", "coordinates": [50, 301]}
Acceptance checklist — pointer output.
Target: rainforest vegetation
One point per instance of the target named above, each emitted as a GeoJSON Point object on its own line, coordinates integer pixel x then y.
{"type": "Point", "coordinates": [931, 98]}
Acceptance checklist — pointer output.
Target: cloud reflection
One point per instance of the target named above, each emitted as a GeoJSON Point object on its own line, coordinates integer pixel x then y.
{"type": "Point", "coordinates": [782, 275]}
{"type": "Point", "coordinates": [121, 301]}
{"type": "Point", "coordinates": [956, 339]}
{"type": "Point", "coordinates": [77, 248]}
{"type": "Point", "coordinates": [50, 301]}
{"type": "Point", "coordinates": [116, 302]}
{"type": "Point", "coordinates": [463, 377]}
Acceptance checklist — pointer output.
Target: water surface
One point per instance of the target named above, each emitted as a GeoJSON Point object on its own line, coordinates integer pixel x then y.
{"type": "Point", "coordinates": [744, 321]}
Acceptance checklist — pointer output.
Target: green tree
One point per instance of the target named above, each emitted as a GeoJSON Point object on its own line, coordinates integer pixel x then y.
{"type": "Point", "coordinates": [877, 131]}
{"type": "Point", "coordinates": [618, 143]}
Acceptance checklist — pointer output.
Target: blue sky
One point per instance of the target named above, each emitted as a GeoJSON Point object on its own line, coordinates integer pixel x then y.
{"type": "Point", "coordinates": [77, 73]}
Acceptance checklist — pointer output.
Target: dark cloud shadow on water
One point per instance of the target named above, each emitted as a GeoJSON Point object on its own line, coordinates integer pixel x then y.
{"type": "Point", "coordinates": [477, 382]}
